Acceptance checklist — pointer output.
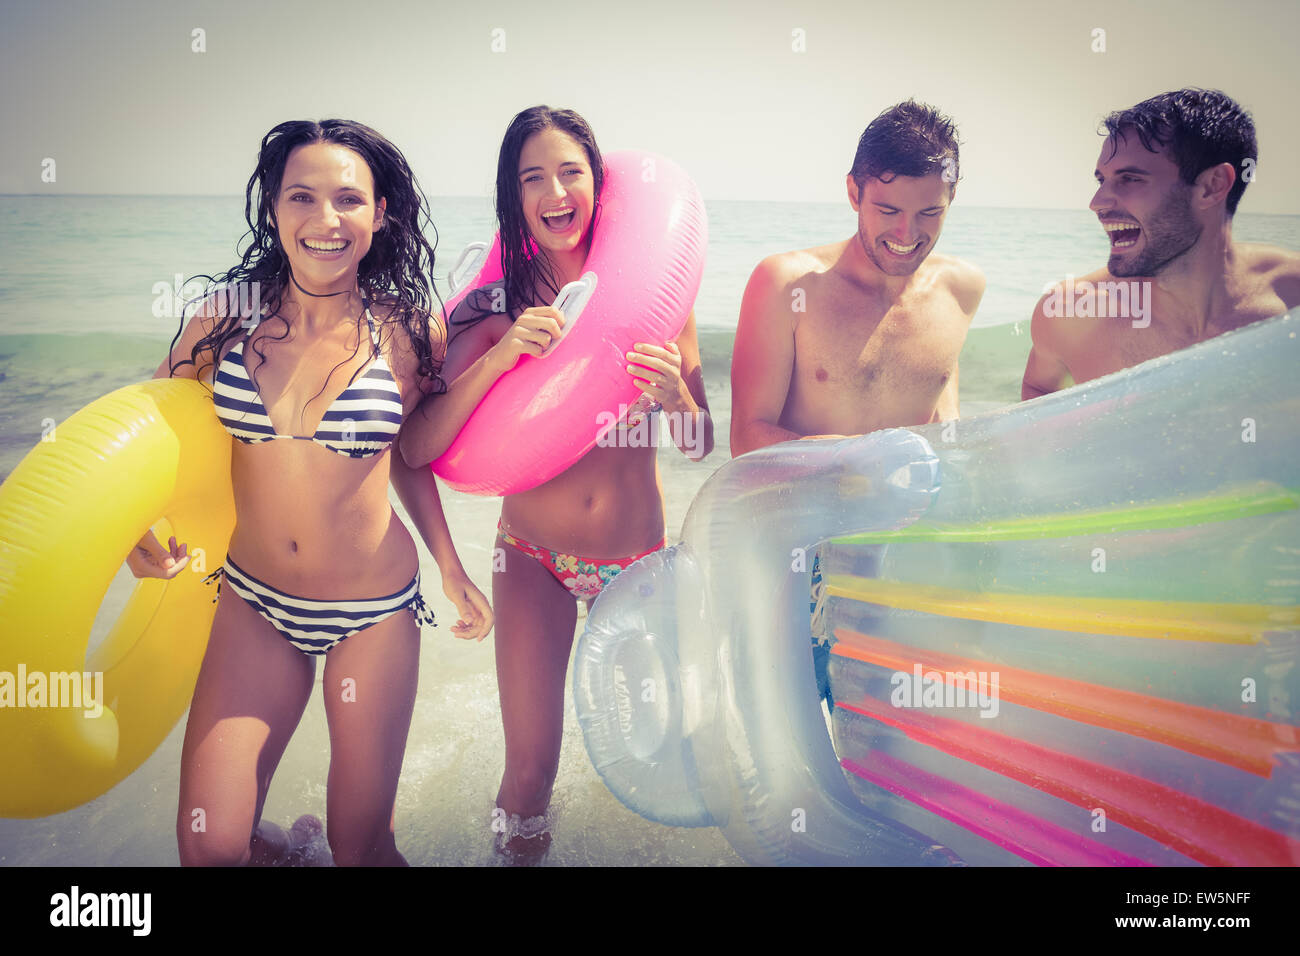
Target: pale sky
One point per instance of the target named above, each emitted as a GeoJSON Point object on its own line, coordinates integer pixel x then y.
{"type": "Point", "coordinates": [112, 91]}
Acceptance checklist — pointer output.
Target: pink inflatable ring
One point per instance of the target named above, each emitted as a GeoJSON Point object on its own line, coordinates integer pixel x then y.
{"type": "Point", "coordinates": [647, 251]}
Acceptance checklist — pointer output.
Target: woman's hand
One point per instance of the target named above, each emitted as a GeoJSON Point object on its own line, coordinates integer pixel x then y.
{"type": "Point", "coordinates": [149, 559]}
{"type": "Point", "coordinates": [658, 373]}
{"type": "Point", "coordinates": [531, 334]}
{"type": "Point", "coordinates": [475, 612]}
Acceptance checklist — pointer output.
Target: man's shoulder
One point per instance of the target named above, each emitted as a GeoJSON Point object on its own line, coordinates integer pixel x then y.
{"type": "Point", "coordinates": [1279, 267]}
{"type": "Point", "coordinates": [1268, 260]}
{"type": "Point", "coordinates": [784, 267]}
{"type": "Point", "coordinates": [785, 279]}
{"type": "Point", "coordinates": [965, 279]}
{"type": "Point", "coordinates": [1095, 277]}
{"type": "Point", "coordinates": [1054, 325]}
{"type": "Point", "coordinates": [956, 269]}
{"type": "Point", "coordinates": [1262, 257]}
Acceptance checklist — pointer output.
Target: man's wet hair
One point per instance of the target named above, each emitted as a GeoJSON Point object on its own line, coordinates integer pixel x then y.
{"type": "Point", "coordinates": [910, 139]}
{"type": "Point", "coordinates": [1199, 128]}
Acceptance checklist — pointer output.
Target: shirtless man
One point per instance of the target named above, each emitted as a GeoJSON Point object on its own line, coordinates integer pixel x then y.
{"type": "Point", "coordinates": [864, 333]}
{"type": "Point", "coordinates": [1170, 175]}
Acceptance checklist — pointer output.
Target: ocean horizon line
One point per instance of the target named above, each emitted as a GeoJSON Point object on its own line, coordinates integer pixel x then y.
{"type": "Point", "coordinates": [770, 202]}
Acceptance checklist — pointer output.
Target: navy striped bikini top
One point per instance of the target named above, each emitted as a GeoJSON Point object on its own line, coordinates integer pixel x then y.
{"type": "Point", "coordinates": [363, 421]}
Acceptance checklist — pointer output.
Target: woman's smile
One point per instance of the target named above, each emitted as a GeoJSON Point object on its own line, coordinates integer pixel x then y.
{"type": "Point", "coordinates": [557, 192]}
{"type": "Point", "coordinates": [327, 214]}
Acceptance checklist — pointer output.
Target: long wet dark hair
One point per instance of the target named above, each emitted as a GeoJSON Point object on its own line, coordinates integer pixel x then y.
{"type": "Point", "coordinates": [525, 271]}
{"type": "Point", "coordinates": [394, 271]}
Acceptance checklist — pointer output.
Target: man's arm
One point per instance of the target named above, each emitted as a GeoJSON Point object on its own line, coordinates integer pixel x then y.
{"type": "Point", "coordinates": [762, 361]}
{"type": "Point", "coordinates": [1046, 371]}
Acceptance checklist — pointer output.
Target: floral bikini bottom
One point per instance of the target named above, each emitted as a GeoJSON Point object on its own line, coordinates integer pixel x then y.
{"type": "Point", "coordinates": [583, 577]}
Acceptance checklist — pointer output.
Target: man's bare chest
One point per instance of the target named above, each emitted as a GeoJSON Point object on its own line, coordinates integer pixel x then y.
{"type": "Point", "coordinates": [905, 347]}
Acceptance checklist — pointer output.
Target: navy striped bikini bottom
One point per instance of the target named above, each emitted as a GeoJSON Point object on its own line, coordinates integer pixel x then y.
{"type": "Point", "coordinates": [313, 626]}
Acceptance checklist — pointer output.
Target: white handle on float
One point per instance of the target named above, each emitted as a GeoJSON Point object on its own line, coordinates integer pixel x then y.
{"type": "Point", "coordinates": [571, 301]}
{"type": "Point", "coordinates": [479, 251]}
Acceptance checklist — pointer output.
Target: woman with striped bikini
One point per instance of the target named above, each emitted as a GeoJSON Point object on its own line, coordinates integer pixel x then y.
{"type": "Point", "coordinates": [319, 565]}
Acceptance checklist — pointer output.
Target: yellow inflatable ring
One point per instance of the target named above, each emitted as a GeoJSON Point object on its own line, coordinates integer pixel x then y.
{"type": "Point", "coordinates": [69, 515]}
